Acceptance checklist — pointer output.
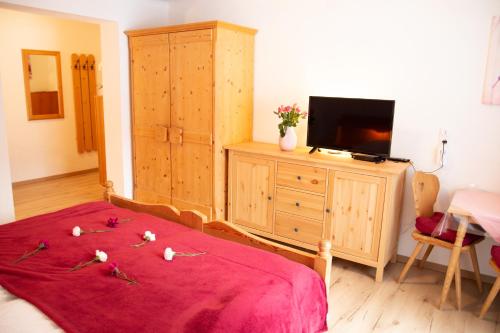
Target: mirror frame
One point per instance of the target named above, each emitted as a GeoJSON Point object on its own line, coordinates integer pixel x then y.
{"type": "Point", "coordinates": [27, 89]}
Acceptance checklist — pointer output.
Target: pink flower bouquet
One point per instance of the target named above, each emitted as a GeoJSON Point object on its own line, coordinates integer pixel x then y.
{"type": "Point", "coordinates": [290, 116]}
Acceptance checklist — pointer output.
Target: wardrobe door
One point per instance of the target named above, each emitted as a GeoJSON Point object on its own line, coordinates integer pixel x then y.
{"type": "Point", "coordinates": [191, 80]}
{"type": "Point", "coordinates": [151, 117]}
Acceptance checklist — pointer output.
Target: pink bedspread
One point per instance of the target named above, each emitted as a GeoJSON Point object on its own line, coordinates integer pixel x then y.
{"type": "Point", "coordinates": [232, 288]}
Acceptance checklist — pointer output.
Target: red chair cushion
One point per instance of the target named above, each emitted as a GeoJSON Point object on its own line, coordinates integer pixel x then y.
{"type": "Point", "coordinates": [495, 254]}
{"type": "Point", "coordinates": [426, 225]}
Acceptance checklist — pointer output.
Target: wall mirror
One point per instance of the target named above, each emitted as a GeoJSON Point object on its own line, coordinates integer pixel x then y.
{"type": "Point", "coordinates": [42, 84]}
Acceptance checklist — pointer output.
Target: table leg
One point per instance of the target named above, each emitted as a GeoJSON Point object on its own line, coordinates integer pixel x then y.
{"type": "Point", "coordinates": [458, 286]}
{"type": "Point", "coordinates": [454, 257]}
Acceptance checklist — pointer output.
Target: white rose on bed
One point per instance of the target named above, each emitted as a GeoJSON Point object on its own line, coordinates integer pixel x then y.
{"type": "Point", "coordinates": [77, 231]}
{"type": "Point", "coordinates": [101, 256]}
{"type": "Point", "coordinates": [169, 254]}
{"type": "Point", "coordinates": [149, 236]}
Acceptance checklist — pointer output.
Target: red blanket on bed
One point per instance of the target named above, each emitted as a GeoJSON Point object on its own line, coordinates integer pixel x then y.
{"type": "Point", "coordinates": [232, 288]}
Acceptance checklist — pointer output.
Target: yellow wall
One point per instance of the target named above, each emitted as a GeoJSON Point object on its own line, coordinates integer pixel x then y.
{"type": "Point", "coordinates": [42, 148]}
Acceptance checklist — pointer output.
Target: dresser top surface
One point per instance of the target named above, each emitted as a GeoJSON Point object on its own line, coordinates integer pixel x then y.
{"type": "Point", "coordinates": [324, 158]}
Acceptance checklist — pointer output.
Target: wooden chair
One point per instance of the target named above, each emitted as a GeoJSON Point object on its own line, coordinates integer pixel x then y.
{"type": "Point", "coordinates": [425, 190]}
{"type": "Point", "coordinates": [495, 253]}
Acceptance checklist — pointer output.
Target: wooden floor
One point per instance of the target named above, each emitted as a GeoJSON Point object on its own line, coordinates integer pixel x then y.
{"type": "Point", "coordinates": [358, 304]}
{"type": "Point", "coordinates": [54, 194]}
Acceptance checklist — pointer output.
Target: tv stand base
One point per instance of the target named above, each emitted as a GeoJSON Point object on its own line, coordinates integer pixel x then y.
{"type": "Point", "coordinates": [314, 149]}
{"type": "Point", "coordinates": [368, 158]}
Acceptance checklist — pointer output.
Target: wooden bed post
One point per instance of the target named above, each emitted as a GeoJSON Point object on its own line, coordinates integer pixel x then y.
{"type": "Point", "coordinates": [323, 262]}
{"type": "Point", "coordinates": [323, 265]}
{"type": "Point", "coordinates": [109, 190]}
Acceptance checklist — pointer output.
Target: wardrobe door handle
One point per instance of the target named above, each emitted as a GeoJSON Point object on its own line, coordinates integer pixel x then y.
{"type": "Point", "coordinates": [269, 198]}
{"type": "Point", "coordinates": [161, 133]}
{"type": "Point", "coordinates": [296, 229]}
{"type": "Point", "coordinates": [299, 178]}
{"type": "Point", "coordinates": [297, 204]}
{"type": "Point", "coordinates": [328, 210]}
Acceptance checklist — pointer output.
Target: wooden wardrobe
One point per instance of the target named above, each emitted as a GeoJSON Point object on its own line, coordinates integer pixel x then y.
{"type": "Point", "coordinates": [191, 94]}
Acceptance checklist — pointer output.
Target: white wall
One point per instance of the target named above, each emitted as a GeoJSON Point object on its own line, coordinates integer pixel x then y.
{"type": "Point", "coordinates": [115, 17]}
{"type": "Point", "coordinates": [41, 148]}
{"type": "Point", "coordinates": [428, 55]}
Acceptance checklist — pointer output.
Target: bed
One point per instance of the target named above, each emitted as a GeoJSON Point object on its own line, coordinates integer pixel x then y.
{"type": "Point", "coordinates": [237, 283]}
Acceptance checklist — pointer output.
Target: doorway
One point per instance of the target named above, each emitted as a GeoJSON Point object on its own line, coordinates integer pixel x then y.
{"type": "Point", "coordinates": [47, 170]}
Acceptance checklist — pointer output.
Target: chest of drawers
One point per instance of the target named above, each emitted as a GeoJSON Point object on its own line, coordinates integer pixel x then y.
{"type": "Point", "coordinates": [297, 198]}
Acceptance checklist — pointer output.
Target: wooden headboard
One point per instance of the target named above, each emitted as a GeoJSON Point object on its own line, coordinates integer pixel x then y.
{"type": "Point", "coordinates": [320, 262]}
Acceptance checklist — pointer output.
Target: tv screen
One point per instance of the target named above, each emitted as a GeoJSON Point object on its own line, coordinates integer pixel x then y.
{"type": "Point", "coordinates": [353, 124]}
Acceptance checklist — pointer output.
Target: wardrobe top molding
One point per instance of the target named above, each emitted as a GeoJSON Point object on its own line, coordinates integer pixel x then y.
{"type": "Point", "coordinates": [325, 159]}
{"type": "Point", "coordinates": [190, 26]}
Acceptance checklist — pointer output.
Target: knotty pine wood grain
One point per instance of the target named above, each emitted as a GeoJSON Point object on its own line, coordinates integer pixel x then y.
{"type": "Point", "coordinates": [150, 84]}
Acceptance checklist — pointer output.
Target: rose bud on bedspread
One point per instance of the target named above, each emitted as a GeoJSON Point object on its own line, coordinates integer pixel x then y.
{"type": "Point", "coordinates": [148, 237]}
{"type": "Point", "coordinates": [113, 222]}
{"type": "Point", "coordinates": [100, 256]}
{"type": "Point", "coordinates": [77, 231]}
{"type": "Point", "coordinates": [115, 271]}
{"type": "Point", "coordinates": [42, 245]}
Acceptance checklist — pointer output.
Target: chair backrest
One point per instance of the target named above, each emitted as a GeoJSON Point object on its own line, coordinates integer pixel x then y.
{"type": "Point", "coordinates": [425, 190]}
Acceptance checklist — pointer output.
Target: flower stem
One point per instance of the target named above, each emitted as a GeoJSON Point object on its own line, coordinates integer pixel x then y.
{"type": "Point", "coordinates": [27, 255]}
{"type": "Point", "coordinates": [80, 266]}
{"type": "Point", "coordinates": [180, 254]}
{"type": "Point", "coordinates": [140, 244]}
{"type": "Point", "coordinates": [124, 276]}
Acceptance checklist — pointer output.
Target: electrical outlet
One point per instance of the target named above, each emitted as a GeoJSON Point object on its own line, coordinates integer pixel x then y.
{"type": "Point", "coordinates": [440, 153]}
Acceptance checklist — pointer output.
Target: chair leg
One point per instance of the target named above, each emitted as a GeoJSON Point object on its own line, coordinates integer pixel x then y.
{"type": "Point", "coordinates": [475, 265]}
{"type": "Point", "coordinates": [491, 296]}
{"type": "Point", "coordinates": [458, 286]}
{"type": "Point", "coordinates": [414, 255]}
{"type": "Point", "coordinates": [426, 255]}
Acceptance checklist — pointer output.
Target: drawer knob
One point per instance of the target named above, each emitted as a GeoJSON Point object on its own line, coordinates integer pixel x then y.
{"type": "Point", "coordinates": [328, 210]}
{"type": "Point", "coordinates": [269, 198]}
{"type": "Point", "coordinates": [299, 178]}
{"type": "Point", "coordinates": [297, 204]}
{"type": "Point", "coordinates": [296, 229]}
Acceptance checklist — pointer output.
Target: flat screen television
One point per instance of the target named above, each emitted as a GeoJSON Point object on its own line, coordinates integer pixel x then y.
{"type": "Point", "coordinates": [352, 124]}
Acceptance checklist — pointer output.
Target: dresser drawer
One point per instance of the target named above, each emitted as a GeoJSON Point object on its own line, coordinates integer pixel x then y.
{"type": "Point", "coordinates": [300, 203]}
{"type": "Point", "coordinates": [301, 177]}
{"type": "Point", "coordinates": [298, 228]}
